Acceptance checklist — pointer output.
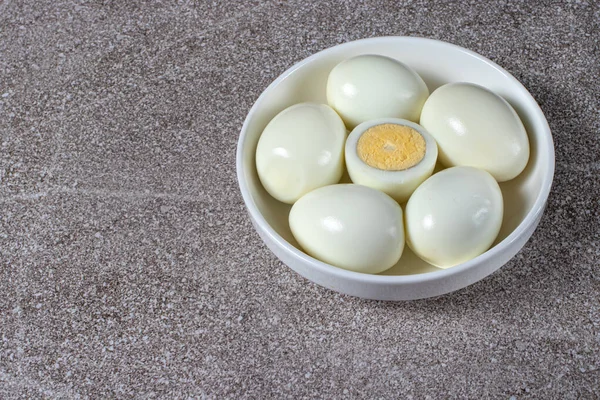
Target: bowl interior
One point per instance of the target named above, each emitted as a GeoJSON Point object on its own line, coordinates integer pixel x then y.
{"type": "Point", "coordinates": [438, 63]}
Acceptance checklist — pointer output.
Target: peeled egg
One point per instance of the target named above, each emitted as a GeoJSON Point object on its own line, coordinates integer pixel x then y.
{"type": "Point", "coordinates": [371, 86]}
{"type": "Point", "coordinates": [392, 155]}
{"type": "Point", "coordinates": [301, 149]}
{"type": "Point", "coordinates": [349, 226]}
{"type": "Point", "coordinates": [475, 127]}
{"type": "Point", "coordinates": [454, 216]}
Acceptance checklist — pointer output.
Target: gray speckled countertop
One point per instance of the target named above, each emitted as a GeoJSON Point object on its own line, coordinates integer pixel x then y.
{"type": "Point", "coordinates": [128, 266]}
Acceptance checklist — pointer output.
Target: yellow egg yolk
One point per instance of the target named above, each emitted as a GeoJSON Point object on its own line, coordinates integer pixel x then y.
{"type": "Point", "coordinates": [391, 147]}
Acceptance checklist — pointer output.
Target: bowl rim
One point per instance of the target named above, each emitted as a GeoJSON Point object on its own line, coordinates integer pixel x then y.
{"type": "Point", "coordinates": [520, 230]}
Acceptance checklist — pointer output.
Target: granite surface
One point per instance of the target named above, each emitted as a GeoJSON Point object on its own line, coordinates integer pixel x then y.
{"type": "Point", "coordinates": [129, 269]}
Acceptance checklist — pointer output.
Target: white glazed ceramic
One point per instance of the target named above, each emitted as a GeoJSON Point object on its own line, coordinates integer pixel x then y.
{"type": "Point", "coordinates": [411, 278]}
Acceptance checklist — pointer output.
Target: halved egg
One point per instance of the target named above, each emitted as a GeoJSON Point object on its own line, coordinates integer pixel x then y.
{"type": "Point", "coordinates": [392, 155]}
{"type": "Point", "coordinates": [301, 149]}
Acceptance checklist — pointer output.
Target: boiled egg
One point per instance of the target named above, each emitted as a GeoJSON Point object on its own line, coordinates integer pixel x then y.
{"type": "Point", "coordinates": [301, 149]}
{"type": "Point", "coordinates": [392, 155]}
{"type": "Point", "coordinates": [349, 226]}
{"type": "Point", "coordinates": [372, 86]}
{"type": "Point", "coordinates": [454, 216]}
{"type": "Point", "coordinates": [475, 127]}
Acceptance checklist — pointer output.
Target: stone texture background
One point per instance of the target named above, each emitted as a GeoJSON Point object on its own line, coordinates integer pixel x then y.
{"type": "Point", "coordinates": [129, 269]}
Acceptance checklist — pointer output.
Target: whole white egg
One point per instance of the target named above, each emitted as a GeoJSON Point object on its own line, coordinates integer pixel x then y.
{"type": "Point", "coordinates": [372, 86]}
{"type": "Point", "coordinates": [454, 216]}
{"type": "Point", "coordinates": [475, 127]}
{"type": "Point", "coordinates": [301, 149]}
{"type": "Point", "coordinates": [349, 226]}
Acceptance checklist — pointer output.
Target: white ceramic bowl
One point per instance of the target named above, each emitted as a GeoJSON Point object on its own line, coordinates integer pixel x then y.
{"type": "Point", "coordinates": [437, 63]}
